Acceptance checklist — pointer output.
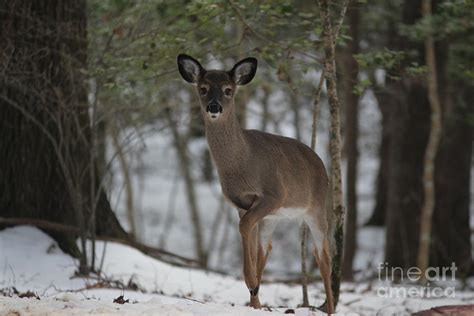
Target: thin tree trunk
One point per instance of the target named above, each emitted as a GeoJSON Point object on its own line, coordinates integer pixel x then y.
{"type": "Point", "coordinates": [304, 270]}
{"type": "Point", "coordinates": [431, 149]}
{"type": "Point", "coordinates": [296, 115]}
{"type": "Point", "coordinates": [349, 82]}
{"type": "Point", "coordinates": [265, 112]}
{"type": "Point", "coordinates": [129, 196]}
{"type": "Point", "coordinates": [170, 212]}
{"type": "Point", "coordinates": [243, 96]}
{"type": "Point", "coordinates": [212, 243]}
{"type": "Point", "coordinates": [185, 165]}
{"type": "Point", "coordinates": [385, 104]}
{"type": "Point", "coordinates": [335, 144]}
{"type": "Point", "coordinates": [314, 129]}
{"type": "Point", "coordinates": [223, 246]}
{"type": "Point", "coordinates": [285, 75]}
{"type": "Point", "coordinates": [304, 228]}
{"type": "Point", "coordinates": [316, 107]}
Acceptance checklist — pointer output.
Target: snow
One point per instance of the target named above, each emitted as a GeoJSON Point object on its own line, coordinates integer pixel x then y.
{"type": "Point", "coordinates": [31, 261]}
{"type": "Point", "coordinates": [75, 304]}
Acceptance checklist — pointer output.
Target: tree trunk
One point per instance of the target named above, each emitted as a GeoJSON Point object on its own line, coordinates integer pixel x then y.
{"type": "Point", "coordinates": [295, 108]}
{"type": "Point", "coordinates": [185, 167]}
{"type": "Point", "coordinates": [385, 104]}
{"type": "Point", "coordinates": [335, 144]}
{"type": "Point", "coordinates": [351, 100]}
{"type": "Point", "coordinates": [451, 234]}
{"type": "Point", "coordinates": [127, 179]}
{"type": "Point", "coordinates": [265, 107]}
{"type": "Point", "coordinates": [244, 95]}
{"type": "Point", "coordinates": [409, 126]}
{"type": "Point", "coordinates": [45, 145]}
{"type": "Point", "coordinates": [429, 193]}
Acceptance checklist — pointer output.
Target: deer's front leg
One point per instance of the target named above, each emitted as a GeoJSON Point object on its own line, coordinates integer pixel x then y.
{"type": "Point", "coordinates": [261, 207]}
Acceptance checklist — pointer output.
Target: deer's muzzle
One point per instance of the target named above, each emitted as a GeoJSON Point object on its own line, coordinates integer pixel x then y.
{"type": "Point", "coordinates": [214, 108]}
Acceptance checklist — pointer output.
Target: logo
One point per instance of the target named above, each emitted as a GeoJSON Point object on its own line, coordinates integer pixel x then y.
{"type": "Point", "coordinates": [433, 276]}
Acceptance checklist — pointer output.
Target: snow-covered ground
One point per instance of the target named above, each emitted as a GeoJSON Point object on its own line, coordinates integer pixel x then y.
{"type": "Point", "coordinates": [30, 261]}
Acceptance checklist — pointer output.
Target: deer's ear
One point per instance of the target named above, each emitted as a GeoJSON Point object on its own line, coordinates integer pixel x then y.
{"type": "Point", "coordinates": [244, 71]}
{"type": "Point", "coordinates": [189, 68]}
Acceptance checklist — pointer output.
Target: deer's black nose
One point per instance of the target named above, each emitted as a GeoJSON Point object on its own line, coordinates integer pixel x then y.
{"type": "Point", "coordinates": [214, 108]}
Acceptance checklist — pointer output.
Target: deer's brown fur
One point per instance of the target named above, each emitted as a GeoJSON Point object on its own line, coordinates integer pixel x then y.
{"type": "Point", "coordinates": [265, 176]}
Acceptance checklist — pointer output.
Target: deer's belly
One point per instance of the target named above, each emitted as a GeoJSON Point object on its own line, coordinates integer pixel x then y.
{"type": "Point", "coordinates": [288, 213]}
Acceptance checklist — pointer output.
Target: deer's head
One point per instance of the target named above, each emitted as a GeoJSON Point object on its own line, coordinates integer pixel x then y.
{"type": "Point", "coordinates": [216, 88]}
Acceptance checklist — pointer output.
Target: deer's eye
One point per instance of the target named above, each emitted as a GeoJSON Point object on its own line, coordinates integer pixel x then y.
{"type": "Point", "coordinates": [203, 91]}
{"type": "Point", "coordinates": [228, 92]}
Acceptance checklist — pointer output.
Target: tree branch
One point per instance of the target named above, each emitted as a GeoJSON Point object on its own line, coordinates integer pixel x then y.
{"type": "Point", "coordinates": [157, 253]}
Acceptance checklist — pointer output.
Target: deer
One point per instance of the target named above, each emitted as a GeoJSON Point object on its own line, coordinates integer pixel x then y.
{"type": "Point", "coordinates": [267, 177]}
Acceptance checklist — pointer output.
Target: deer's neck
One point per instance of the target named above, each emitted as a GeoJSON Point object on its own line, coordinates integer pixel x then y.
{"type": "Point", "coordinates": [226, 142]}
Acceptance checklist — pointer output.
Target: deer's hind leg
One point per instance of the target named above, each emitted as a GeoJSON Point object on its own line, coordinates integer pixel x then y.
{"type": "Point", "coordinates": [319, 233]}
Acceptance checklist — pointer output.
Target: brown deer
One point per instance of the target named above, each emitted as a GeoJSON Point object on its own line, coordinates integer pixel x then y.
{"type": "Point", "coordinates": [267, 177]}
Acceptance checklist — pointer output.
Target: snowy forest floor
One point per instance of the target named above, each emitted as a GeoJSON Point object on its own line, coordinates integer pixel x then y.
{"type": "Point", "coordinates": [37, 278]}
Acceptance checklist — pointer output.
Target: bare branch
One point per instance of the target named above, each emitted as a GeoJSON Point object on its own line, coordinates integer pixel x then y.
{"type": "Point", "coordinates": [157, 253]}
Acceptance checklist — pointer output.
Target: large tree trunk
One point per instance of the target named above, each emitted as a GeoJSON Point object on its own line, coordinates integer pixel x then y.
{"type": "Point", "coordinates": [409, 127]}
{"type": "Point", "coordinates": [409, 124]}
{"type": "Point", "coordinates": [44, 122]}
{"type": "Point", "coordinates": [351, 100]}
{"type": "Point", "coordinates": [451, 235]}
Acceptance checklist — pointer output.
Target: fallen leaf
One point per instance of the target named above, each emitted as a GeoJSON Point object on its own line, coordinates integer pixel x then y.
{"type": "Point", "coordinates": [120, 300]}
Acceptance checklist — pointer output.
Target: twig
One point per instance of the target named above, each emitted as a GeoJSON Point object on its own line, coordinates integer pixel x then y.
{"type": "Point", "coordinates": [262, 37]}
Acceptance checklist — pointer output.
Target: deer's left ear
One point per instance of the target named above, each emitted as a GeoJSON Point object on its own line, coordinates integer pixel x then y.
{"type": "Point", "coordinates": [189, 68]}
{"type": "Point", "coordinates": [244, 71]}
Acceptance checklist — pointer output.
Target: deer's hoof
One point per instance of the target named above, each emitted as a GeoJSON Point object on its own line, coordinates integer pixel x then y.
{"type": "Point", "coordinates": [326, 309]}
{"type": "Point", "coordinates": [255, 302]}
